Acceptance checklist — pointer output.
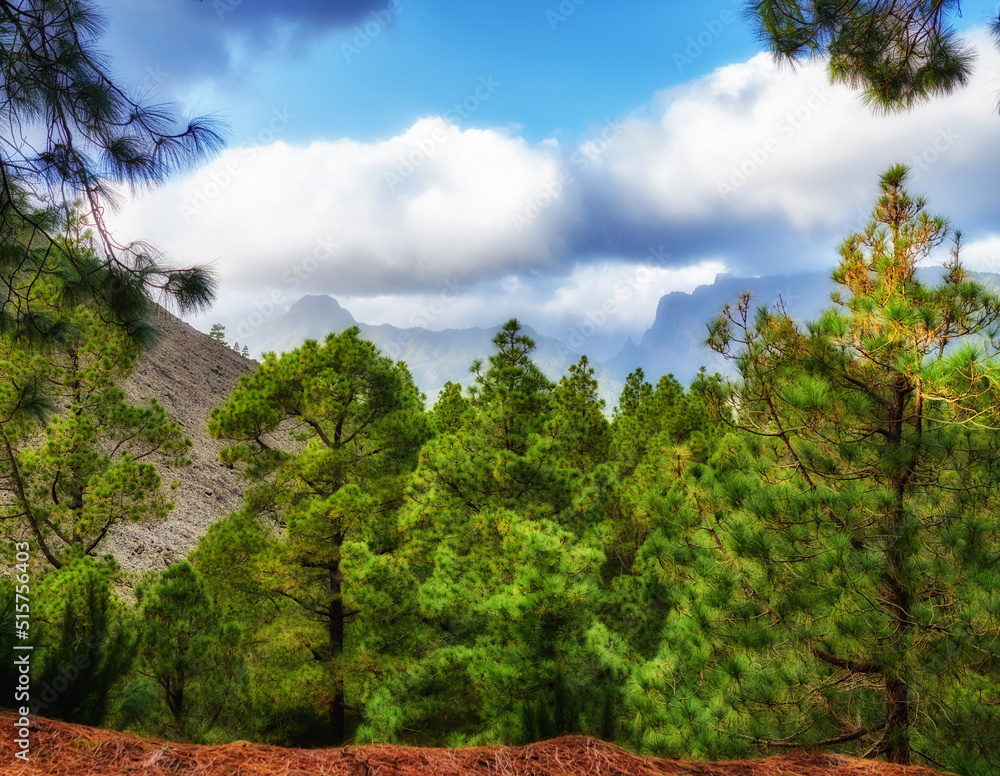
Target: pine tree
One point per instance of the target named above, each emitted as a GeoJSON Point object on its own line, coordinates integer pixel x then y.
{"type": "Point", "coordinates": [898, 54]}
{"type": "Point", "coordinates": [74, 134]}
{"type": "Point", "coordinates": [359, 423]}
{"type": "Point", "coordinates": [635, 391]}
{"type": "Point", "coordinates": [452, 410]}
{"type": "Point", "coordinates": [512, 391]}
{"type": "Point", "coordinates": [85, 646]}
{"type": "Point", "coordinates": [855, 519]}
{"type": "Point", "coordinates": [583, 430]}
{"type": "Point", "coordinates": [504, 531]}
{"type": "Point", "coordinates": [658, 604]}
{"type": "Point", "coordinates": [655, 435]}
{"type": "Point", "coordinates": [190, 649]}
{"type": "Point", "coordinates": [218, 333]}
{"type": "Point", "coordinates": [73, 452]}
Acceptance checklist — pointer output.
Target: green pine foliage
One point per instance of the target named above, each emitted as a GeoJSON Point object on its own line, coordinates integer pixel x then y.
{"type": "Point", "coordinates": [84, 645]}
{"type": "Point", "coordinates": [218, 333]}
{"type": "Point", "coordinates": [194, 654]}
{"type": "Point", "coordinates": [656, 435]}
{"type": "Point", "coordinates": [75, 134]}
{"type": "Point", "coordinates": [581, 427]}
{"type": "Point", "coordinates": [284, 696]}
{"type": "Point", "coordinates": [327, 432]}
{"type": "Point", "coordinates": [897, 54]}
{"type": "Point", "coordinates": [657, 569]}
{"type": "Point", "coordinates": [74, 453]}
{"type": "Point", "coordinates": [8, 638]}
{"type": "Point", "coordinates": [854, 514]}
{"type": "Point", "coordinates": [452, 410]}
{"type": "Point", "coordinates": [504, 525]}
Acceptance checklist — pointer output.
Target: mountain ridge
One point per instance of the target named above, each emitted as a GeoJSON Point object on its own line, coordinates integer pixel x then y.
{"type": "Point", "coordinates": [433, 356]}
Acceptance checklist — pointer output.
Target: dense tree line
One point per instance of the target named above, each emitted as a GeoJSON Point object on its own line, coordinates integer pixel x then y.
{"type": "Point", "coordinates": [803, 555]}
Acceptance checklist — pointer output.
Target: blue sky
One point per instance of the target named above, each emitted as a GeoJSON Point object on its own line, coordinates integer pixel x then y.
{"type": "Point", "coordinates": [455, 163]}
{"type": "Point", "coordinates": [564, 67]}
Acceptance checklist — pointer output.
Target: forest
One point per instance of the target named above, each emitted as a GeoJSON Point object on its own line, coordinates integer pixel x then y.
{"type": "Point", "coordinates": [801, 553]}
{"type": "Point", "coordinates": [803, 556]}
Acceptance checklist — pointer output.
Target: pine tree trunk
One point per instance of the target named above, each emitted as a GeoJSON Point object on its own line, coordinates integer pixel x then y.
{"type": "Point", "coordinates": [896, 747]}
{"type": "Point", "coordinates": [336, 709]}
{"type": "Point", "coordinates": [898, 720]}
{"type": "Point", "coordinates": [897, 734]}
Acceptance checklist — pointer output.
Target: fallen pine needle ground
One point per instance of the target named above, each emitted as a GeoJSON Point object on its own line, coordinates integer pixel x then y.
{"type": "Point", "coordinates": [61, 749]}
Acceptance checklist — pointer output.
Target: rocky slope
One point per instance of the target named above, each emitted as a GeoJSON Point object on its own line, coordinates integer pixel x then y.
{"type": "Point", "coordinates": [189, 373]}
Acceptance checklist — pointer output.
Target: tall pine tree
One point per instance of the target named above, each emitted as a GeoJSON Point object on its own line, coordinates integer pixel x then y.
{"type": "Point", "coordinates": [504, 526]}
{"type": "Point", "coordinates": [854, 516]}
{"type": "Point", "coordinates": [326, 431]}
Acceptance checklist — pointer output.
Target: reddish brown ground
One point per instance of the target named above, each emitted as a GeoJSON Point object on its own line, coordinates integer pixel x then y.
{"type": "Point", "coordinates": [59, 749]}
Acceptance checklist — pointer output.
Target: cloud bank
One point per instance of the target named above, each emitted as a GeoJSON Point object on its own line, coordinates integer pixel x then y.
{"type": "Point", "coordinates": [751, 170]}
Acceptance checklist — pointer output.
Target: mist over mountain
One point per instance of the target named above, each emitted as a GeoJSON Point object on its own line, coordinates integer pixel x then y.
{"type": "Point", "coordinates": [433, 357]}
{"type": "Point", "coordinates": [673, 344]}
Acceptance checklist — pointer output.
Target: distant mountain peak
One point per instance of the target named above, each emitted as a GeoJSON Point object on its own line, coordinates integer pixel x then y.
{"type": "Point", "coordinates": [434, 357]}
{"type": "Point", "coordinates": [318, 304]}
{"type": "Point", "coordinates": [321, 313]}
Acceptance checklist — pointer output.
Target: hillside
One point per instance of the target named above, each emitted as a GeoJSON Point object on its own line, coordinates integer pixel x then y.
{"type": "Point", "coordinates": [189, 373]}
{"type": "Point", "coordinates": [60, 749]}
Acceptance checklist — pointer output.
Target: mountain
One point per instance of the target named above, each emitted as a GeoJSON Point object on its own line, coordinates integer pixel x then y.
{"type": "Point", "coordinates": [433, 357]}
{"type": "Point", "coordinates": [674, 343]}
{"type": "Point", "coordinates": [312, 317]}
{"type": "Point", "coordinates": [190, 374]}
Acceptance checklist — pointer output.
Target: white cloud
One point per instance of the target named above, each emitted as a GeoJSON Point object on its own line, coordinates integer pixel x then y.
{"type": "Point", "coordinates": [758, 169]}
{"type": "Point", "coordinates": [752, 140]}
{"type": "Point", "coordinates": [622, 295]}
{"type": "Point", "coordinates": [427, 206]}
{"type": "Point", "coordinates": [982, 255]}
